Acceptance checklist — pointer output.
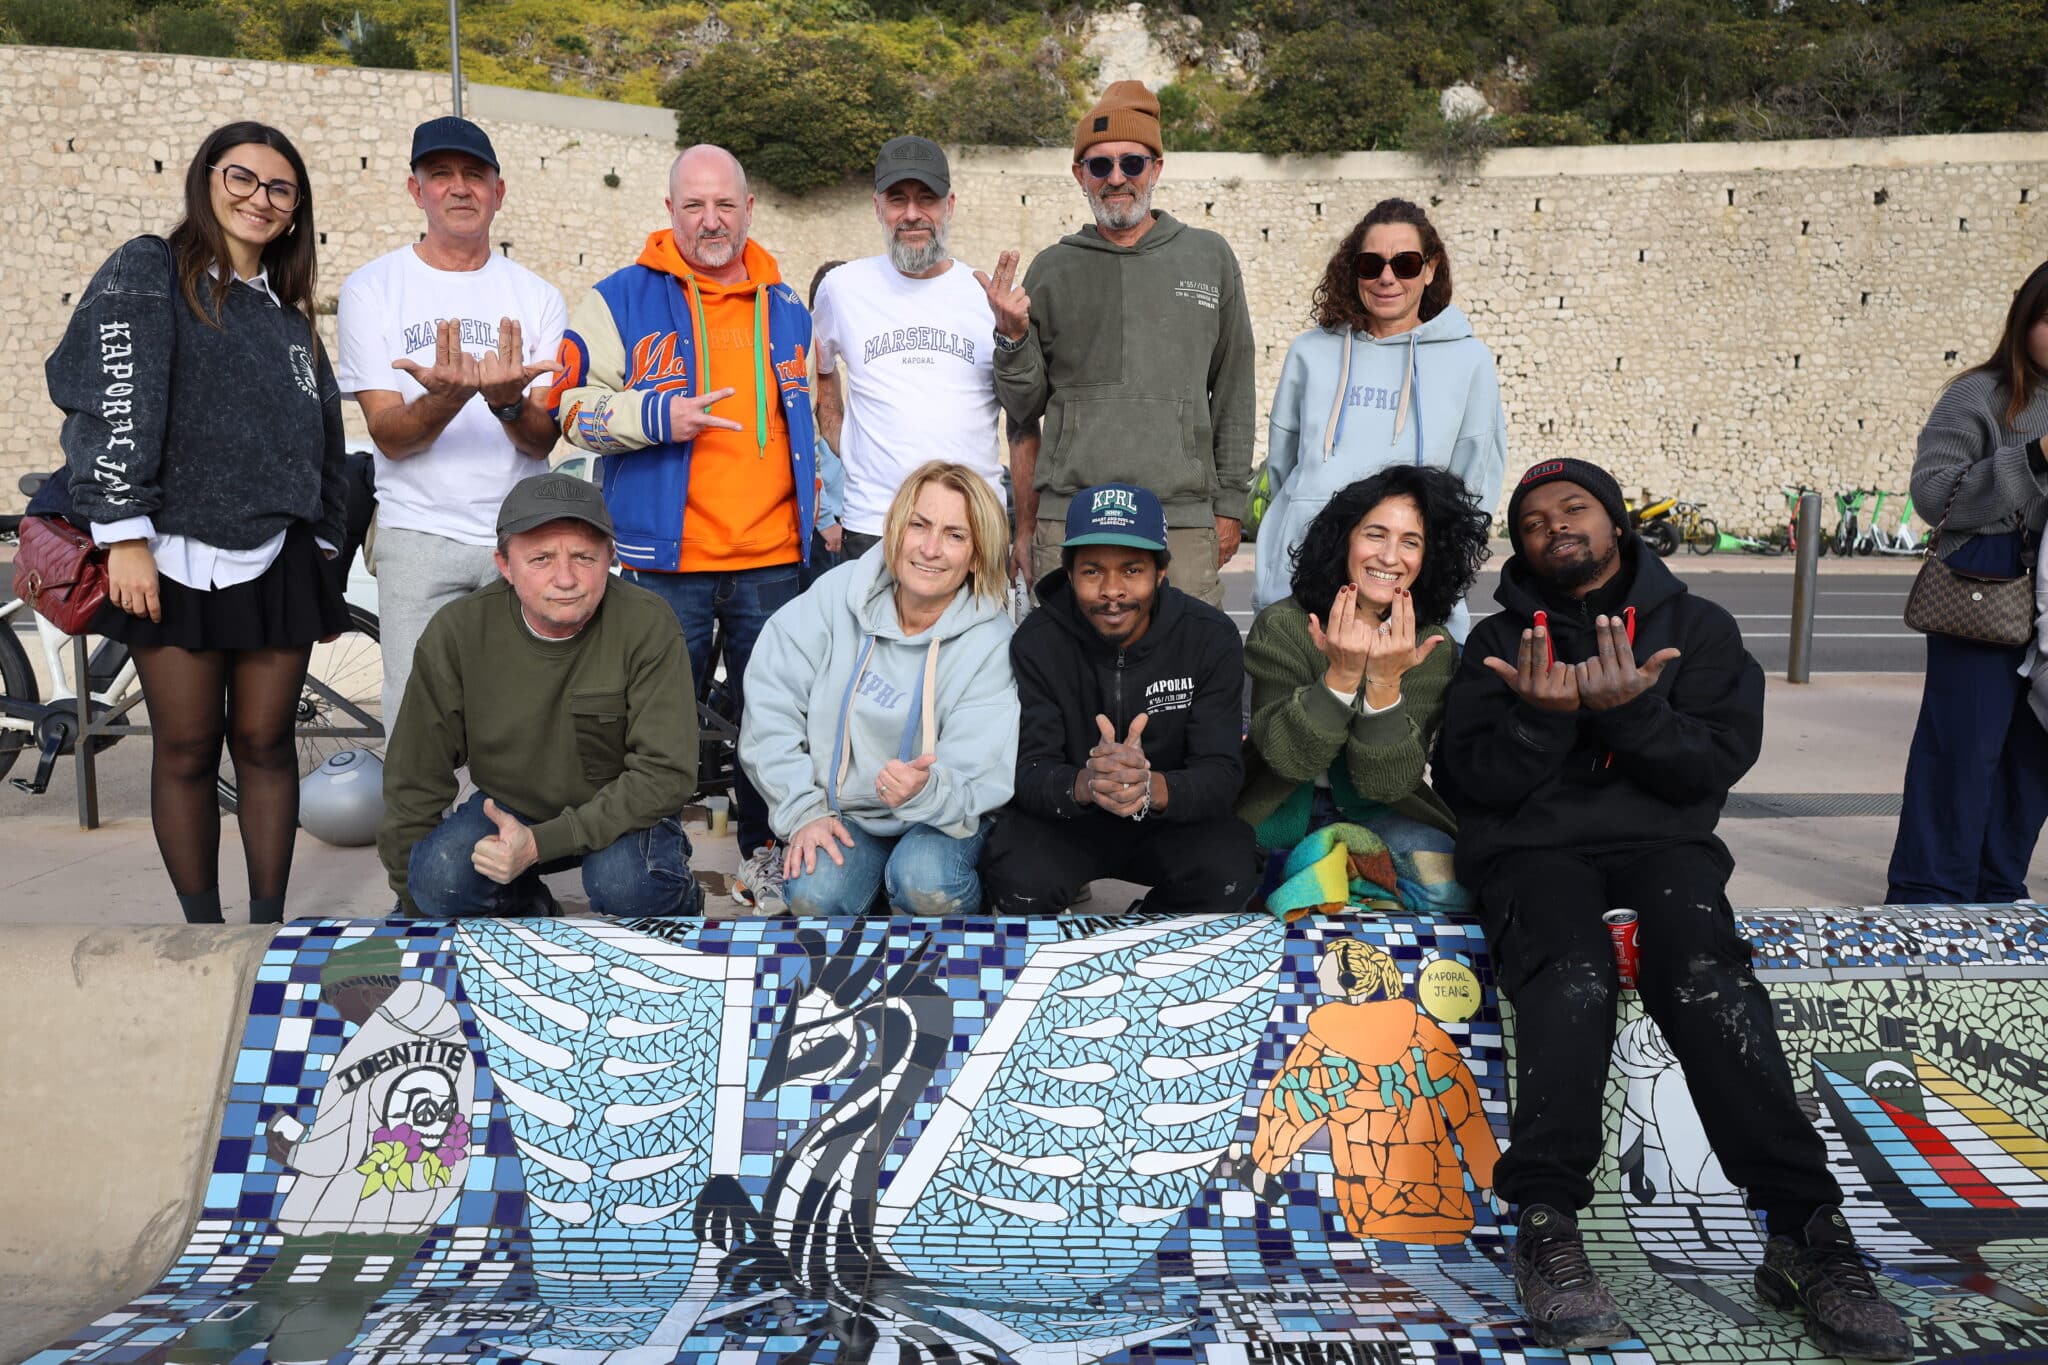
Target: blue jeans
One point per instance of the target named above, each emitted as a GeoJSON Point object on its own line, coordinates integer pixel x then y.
{"type": "Point", "coordinates": [1976, 790]}
{"type": "Point", "coordinates": [742, 602]}
{"type": "Point", "coordinates": [644, 873]}
{"type": "Point", "coordinates": [924, 871]}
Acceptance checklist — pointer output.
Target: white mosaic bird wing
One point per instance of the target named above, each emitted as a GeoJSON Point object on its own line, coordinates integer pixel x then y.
{"type": "Point", "coordinates": [606, 1045]}
{"type": "Point", "coordinates": [1091, 1112]}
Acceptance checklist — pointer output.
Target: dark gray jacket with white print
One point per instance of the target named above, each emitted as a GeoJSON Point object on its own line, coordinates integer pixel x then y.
{"type": "Point", "coordinates": [226, 434]}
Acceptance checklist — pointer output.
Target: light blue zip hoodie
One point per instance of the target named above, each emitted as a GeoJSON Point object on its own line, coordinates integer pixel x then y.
{"type": "Point", "coordinates": [1350, 404]}
{"type": "Point", "coordinates": [835, 689]}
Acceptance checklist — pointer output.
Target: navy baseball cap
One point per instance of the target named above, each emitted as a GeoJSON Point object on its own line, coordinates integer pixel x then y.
{"type": "Point", "coordinates": [451, 134]}
{"type": "Point", "coordinates": [1116, 514]}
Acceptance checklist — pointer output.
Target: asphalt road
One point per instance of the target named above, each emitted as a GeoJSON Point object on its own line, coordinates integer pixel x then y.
{"type": "Point", "coordinates": [1857, 625]}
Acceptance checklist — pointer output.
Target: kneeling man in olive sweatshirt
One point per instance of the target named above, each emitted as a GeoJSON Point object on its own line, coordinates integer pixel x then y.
{"type": "Point", "coordinates": [567, 694]}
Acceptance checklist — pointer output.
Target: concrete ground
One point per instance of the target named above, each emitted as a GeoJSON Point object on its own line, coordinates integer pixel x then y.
{"type": "Point", "coordinates": [1841, 733]}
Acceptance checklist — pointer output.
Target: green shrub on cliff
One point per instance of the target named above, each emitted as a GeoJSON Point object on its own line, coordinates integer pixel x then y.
{"type": "Point", "coordinates": [801, 113]}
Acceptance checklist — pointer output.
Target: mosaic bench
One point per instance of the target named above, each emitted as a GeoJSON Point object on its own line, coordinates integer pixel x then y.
{"type": "Point", "coordinates": [1101, 1138]}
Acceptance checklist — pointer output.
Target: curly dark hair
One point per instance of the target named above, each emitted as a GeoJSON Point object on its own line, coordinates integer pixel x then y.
{"type": "Point", "coordinates": [1336, 304]}
{"type": "Point", "coordinates": [1454, 533]}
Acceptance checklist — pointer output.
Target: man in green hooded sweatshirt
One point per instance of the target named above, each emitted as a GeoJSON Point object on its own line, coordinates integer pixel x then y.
{"type": "Point", "coordinates": [1131, 341]}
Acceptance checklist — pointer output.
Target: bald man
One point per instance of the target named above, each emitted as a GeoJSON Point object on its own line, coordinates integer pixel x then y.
{"type": "Point", "coordinates": [687, 371]}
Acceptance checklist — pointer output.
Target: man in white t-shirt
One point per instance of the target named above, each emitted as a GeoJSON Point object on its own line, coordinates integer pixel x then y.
{"type": "Point", "coordinates": [910, 330]}
{"type": "Point", "coordinates": [440, 343]}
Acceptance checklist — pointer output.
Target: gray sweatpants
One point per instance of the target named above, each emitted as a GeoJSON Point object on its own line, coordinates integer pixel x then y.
{"type": "Point", "coordinates": [418, 574]}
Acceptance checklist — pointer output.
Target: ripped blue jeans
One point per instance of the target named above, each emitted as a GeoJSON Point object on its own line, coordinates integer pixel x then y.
{"type": "Point", "coordinates": [923, 871]}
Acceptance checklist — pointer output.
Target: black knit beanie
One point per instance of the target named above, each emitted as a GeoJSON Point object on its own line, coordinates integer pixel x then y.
{"type": "Point", "coordinates": [1588, 476]}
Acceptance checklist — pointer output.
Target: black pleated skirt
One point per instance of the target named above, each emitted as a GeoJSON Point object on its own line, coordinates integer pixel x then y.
{"type": "Point", "coordinates": [294, 602]}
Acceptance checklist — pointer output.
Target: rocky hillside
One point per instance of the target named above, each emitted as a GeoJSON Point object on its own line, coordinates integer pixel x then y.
{"type": "Point", "coordinates": [1450, 79]}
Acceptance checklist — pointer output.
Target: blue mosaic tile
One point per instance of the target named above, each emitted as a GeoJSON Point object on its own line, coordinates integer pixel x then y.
{"type": "Point", "coordinates": [1104, 1139]}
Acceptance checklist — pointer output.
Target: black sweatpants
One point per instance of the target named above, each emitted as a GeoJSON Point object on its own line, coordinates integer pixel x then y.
{"type": "Point", "coordinates": [1032, 865]}
{"type": "Point", "coordinates": [1553, 959]}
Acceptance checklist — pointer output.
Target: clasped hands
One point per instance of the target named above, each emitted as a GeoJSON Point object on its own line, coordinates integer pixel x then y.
{"type": "Point", "coordinates": [1117, 775]}
{"type": "Point", "coordinates": [1610, 678]}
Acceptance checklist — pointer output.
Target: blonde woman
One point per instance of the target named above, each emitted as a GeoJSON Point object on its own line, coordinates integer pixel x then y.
{"type": "Point", "coordinates": [881, 717]}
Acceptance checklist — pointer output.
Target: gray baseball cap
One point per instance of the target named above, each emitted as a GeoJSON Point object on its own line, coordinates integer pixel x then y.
{"type": "Point", "coordinates": [552, 497]}
{"type": "Point", "coordinates": [913, 158]}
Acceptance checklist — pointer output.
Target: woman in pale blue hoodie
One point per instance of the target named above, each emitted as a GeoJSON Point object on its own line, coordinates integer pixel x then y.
{"type": "Point", "coordinates": [1390, 374]}
{"type": "Point", "coordinates": [880, 723]}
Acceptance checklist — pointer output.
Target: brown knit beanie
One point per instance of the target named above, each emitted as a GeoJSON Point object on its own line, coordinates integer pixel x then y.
{"type": "Point", "coordinates": [1127, 112]}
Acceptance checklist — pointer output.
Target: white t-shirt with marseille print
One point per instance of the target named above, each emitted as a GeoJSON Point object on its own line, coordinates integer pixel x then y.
{"type": "Point", "coordinates": [920, 378]}
{"type": "Point", "coordinates": [388, 311]}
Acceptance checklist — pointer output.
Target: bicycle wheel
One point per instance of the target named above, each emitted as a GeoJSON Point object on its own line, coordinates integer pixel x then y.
{"type": "Point", "coordinates": [344, 684]}
{"type": "Point", "coordinates": [1777, 540]}
{"type": "Point", "coordinates": [1705, 537]}
{"type": "Point", "coordinates": [17, 683]}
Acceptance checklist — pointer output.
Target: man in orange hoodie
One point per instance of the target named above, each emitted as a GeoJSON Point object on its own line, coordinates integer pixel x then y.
{"type": "Point", "coordinates": [688, 372]}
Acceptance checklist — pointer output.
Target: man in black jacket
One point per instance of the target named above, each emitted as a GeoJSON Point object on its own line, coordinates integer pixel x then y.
{"type": "Point", "coordinates": [1128, 750]}
{"type": "Point", "coordinates": [1585, 781]}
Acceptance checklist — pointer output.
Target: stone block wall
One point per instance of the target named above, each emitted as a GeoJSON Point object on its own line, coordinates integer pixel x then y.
{"type": "Point", "coordinates": [1714, 319]}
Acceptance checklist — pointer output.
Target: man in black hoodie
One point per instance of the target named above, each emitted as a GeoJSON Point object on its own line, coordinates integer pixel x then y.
{"type": "Point", "coordinates": [1128, 749]}
{"type": "Point", "coordinates": [1585, 781]}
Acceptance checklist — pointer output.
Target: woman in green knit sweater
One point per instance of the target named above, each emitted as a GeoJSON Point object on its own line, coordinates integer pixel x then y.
{"type": "Point", "coordinates": [1348, 673]}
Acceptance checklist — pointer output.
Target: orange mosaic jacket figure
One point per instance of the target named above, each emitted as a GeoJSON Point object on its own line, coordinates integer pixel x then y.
{"type": "Point", "coordinates": [1397, 1098]}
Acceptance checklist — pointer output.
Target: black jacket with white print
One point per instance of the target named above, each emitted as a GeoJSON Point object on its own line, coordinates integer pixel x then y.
{"type": "Point", "coordinates": [226, 434]}
{"type": "Point", "coordinates": [1186, 675]}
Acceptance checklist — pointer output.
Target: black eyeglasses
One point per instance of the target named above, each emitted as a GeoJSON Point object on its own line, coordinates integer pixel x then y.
{"type": "Point", "coordinates": [1132, 164]}
{"type": "Point", "coordinates": [242, 182]}
{"type": "Point", "coordinates": [1407, 264]}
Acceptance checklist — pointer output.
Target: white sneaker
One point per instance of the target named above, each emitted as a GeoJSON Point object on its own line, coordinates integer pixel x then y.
{"type": "Point", "coordinates": [758, 883]}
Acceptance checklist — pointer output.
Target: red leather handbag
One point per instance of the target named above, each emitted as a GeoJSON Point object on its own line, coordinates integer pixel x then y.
{"type": "Point", "coordinates": [60, 572]}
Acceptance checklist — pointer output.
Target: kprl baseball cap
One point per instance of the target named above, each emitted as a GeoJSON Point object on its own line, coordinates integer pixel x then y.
{"type": "Point", "coordinates": [552, 497]}
{"type": "Point", "coordinates": [1116, 514]}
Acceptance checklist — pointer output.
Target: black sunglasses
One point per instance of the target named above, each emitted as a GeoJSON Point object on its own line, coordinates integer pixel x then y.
{"type": "Point", "coordinates": [1132, 164]}
{"type": "Point", "coordinates": [1407, 264]}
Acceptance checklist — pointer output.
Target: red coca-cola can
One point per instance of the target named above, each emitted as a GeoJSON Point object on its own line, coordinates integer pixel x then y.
{"type": "Point", "coordinates": [1621, 927]}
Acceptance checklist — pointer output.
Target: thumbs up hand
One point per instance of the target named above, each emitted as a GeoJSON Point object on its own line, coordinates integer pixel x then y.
{"type": "Point", "coordinates": [503, 856]}
{"type": "Point", "coordinates": [899, 781]}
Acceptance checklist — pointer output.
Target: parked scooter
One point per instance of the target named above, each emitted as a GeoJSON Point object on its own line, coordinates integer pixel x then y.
{"type": "Point", "coordinates": [1652, 520]}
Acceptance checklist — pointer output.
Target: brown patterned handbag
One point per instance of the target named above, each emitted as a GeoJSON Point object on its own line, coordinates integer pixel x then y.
{"type": "Point", "coordinates": [1992, 609]}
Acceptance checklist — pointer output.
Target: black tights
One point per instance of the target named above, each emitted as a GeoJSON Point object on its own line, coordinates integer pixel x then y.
{"type": "Point", "coordinates": [196, 699]}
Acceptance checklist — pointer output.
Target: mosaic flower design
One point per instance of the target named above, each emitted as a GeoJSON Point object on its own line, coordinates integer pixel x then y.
{"type": "Point", "coordinates": [385, 1168]}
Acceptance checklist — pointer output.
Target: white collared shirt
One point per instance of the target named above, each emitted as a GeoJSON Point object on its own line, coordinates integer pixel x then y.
{"type": "Point", "coordinates": [193, 563]}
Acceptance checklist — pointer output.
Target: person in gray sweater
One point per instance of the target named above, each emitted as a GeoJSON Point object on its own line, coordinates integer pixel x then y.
{"type": "Point", "coordinates": [203, 438]}
{"type": "Point", "coordinates": [1976, 788]}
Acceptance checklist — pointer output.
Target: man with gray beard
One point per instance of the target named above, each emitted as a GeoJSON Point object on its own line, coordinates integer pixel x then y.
{"type": "Point", "coordinates": [909, 332]}
{"type": "Point", "coordinates": [1131, 339]}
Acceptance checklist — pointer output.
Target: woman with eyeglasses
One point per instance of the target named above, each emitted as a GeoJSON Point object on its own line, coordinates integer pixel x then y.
{"type": "Point", "coordinates": [203, 436]}
{"type": "Point", "coordinates": [1390, 374]}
